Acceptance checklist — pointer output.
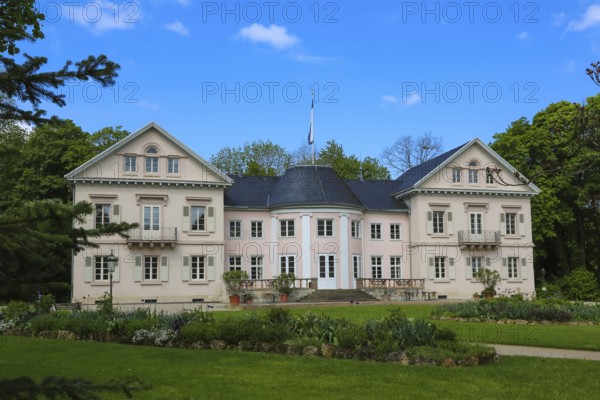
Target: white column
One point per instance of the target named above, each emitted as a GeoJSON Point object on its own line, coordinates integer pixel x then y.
{"type": "Point", "coordinates": [273, 249]}
{"type": "Point", "coordinates": [343, 265]}
{"type": "Point", "coordinates": [306, 253]}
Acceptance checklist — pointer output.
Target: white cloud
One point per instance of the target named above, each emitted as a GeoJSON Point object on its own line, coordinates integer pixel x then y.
{"type": "Point", "coordinates": [312, 59]}
{"type": "Point", "coordinates": [590, 19]}
{"type": "Point", "coordinates": [276, 36]}
{"type": "Point", "coordinates": [411, 99]}
{"type": "Point", "coordinates": [101, 16]}
{"type": "Point", "coordinates": [558, 19]}
{"type": "Point", "coordinates": [177, 27]}
{"type": "Point", "coordinates": [388, 99]}
{"type": "Point", "coordinates": [523, 36]}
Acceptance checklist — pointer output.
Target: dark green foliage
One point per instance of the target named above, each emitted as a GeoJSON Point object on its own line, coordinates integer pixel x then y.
{"type": "Point", "coordinates": [580, 284]}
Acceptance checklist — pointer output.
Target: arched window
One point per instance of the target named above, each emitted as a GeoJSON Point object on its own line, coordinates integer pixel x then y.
{"type": "Point", "coordinates": [473, 171]}
{"type": "Point", "coordinates": [152, 160]}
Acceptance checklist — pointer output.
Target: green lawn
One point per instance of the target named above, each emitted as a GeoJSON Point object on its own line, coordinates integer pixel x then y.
{"type": "Point", "coordinates": [203, 374]}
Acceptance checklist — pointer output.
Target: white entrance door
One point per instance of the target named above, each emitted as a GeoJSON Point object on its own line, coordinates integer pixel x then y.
{"type": "Point", "coordinates": [476, 224]}
{"type": "Point", "coordinates": [327, 264]}
{"type": "Point", "coordinates": [151, 230]}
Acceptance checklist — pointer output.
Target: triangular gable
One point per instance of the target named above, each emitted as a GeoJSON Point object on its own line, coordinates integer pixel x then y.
{"type": "Point", "coordinates": [75, 174]}
{"type": "Point", "coordinates": [415, 177]}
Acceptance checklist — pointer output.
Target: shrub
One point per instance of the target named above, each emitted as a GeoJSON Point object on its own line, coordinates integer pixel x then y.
{"type": "Point", "coordinates": [18, 311]}
{"type": "Point", "coordinates": [199, 332]}
{"type": "Point", "coordinates": [137, 324]}
{"type": "Point", "coordinates": [581, 284]}
{"type": "Point", "coordinates": [278, 315]}
{"type": "Point", "coordinates": [47, 322]}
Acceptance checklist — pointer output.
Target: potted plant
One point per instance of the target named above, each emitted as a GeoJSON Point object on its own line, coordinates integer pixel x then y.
{"type": "Point", "coordinates": [233, 284]}
{"type": "Point", "coordinates": [248, 298]}
{"type": "Point", "coordinates": [284, 284]}
{"type": "Point", "coordinates": [476, 296]}
{"type": "Point", "coordinates": [490, 280]}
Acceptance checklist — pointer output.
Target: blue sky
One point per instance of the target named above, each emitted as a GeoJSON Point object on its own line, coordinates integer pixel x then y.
{"type": "Point", "coordinates": [218, 74]}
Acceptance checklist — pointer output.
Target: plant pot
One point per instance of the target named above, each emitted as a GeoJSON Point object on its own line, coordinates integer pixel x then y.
{"type": "Point", "coordinates": [248, 301]}
{"type": "Point", "coordinates": [283, 298]}
{"type": "Point", "coordinates": [234, 300]}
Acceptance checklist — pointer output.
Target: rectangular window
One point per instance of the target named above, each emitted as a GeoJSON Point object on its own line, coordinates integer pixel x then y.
{"type": "Point", "coordinates": [198, 218]}
{"type": "Point", "coordinates": [357, 265]}
{"type": "Point", "coordinates": [152, 165]}
{"type": "Point", "coordinates": [101, 268]}
{"type": "Point", "coordinates": [476, 264]}
{"type": "Point", "coordinates": [513, 267]}
{"type": "Point", "coordinates": [375, 231]}
{"type": "Point", "coordinates": [235, 263]}
{"type": "Point", "coordinates": [325, 227]}
{"type": "Point", "coordinates": [327, 266]}
{"type": "Point", "coordinates": [287, 228]}
{"type": "Point", "coordinates": [130, 164]}
{"type": "Point", "coordinates": [256, 229]}
{"type": "Point", "coordinates": [396, 267]}
{"type": "Point", "coordinates": [473, 172]}
{"type": "Point", "coordinates": [376, 272]}
{"type": "Point", "coordinates": [355, 229]}
{"type": "Point", "coordinates": [102, 214]}
{"type": "Point", "coordinates": [489, 176]}
{"type": "Point", "coordinates": [511, 223]}
{"type": "Point", "coordinates": [151, 268]}
{"type": "Point", "coordinates": [476, 223]}
{"type": "Point", "coordinates": [395, 232]}
{"type": "Point", "coordinates": [198, 268]}
{"type": "Point", "coordinates": [287, 264]}
{"type": "Point", "coordinates": [235, 229]}
{"type": "Point", "coordinates": [456, 174]}
{"type": "Point", "coordinates": [438, 222]}
{"type": "Point", "coordinates": [440, 267]}
{"type": "Point", "coordinates": [151, 218]}
{"type": "Point", "coordinates": [256, 267]}
{"type": "Point", "coordinates": [173, 165]}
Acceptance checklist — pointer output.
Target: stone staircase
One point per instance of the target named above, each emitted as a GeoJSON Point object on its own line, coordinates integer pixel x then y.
{"type": "Point", "coordinates": [337, 295]}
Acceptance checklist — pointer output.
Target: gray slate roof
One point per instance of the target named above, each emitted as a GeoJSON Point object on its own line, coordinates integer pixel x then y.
{"type": "Point", "coordinates": [311, 186]}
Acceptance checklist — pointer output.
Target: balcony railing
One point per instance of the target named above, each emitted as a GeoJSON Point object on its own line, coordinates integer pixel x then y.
{"type": "Point", "coordinates": [299, 283]}
{"type": "Point", "coordinates": [161, 236]}
{"type": "Point", "coordinates": [487, 238]}
{"type": "Point", "coordinates": [390, 283]}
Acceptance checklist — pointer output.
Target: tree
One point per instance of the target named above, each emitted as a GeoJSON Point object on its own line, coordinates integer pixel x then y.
{"type": "Point", "coordinates": [259, 158]}
{"type": "Point", "coordinates": [350, 167]}
{"type": "Point", "coordinates": [26, 83]}
{"type": "Point", "coordinates": [407, 152]}
{"type": "Point", "coordinates": [106, 137]}
{"type": "Point", "coordinates": [560, 152]}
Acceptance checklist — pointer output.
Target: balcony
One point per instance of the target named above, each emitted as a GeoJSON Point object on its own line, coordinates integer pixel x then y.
{"type": "Point", "coordinates": [486, 239]}
{"type": "Point", "coordinates": [152, 238]}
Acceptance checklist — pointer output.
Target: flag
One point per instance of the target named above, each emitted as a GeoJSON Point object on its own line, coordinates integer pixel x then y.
{"type": "Point", "coordinates": [311, 133]}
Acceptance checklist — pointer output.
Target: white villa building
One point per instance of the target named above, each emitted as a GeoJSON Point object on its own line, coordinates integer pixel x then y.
{"type": "Point", "coordinates": [429, 230]}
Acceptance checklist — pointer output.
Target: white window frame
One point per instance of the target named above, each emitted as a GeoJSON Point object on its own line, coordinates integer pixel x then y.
{"type": "Point", "coordinates": [285, 266]}
{"type": "Point", "coordinates": [441, 269]}
{"type": "Point", "coordinates": [151, 268]}
{"type": "Point", "coordinates": [511, 228]}
{"type": "Point", "coordinates": [476, 223]}
{"type": "Point", "coordinates": [355, 231]}
{"type": "Point", "coordinates": [198, 222]}
{"type": "Point", "coordinates": [396, 267]}
{"type": "Point", "coordinates": [456, 174]}
{"type": "Point", "coordinates": [357, 265]}
{"type": "Point", "coordinates": [287, 228]}
{"type": "Point", "coordinates": [198, 268]}
{"type": "Point", "coordinates": [476, 265]}
{"type": "Point", "coordinates": [101, 273]}
{"type": "Point", "coordinates": [473, 172]}
{"type": "Point", "coordinates": [327, 266]}
{"type": "Point", "coordinates": [235, 229]}
{"type": "Point", "coordinates": [375, 231]}
{"type": "Point", "coordinates": [234, 263]}
{"type": "Point", "coordinates": [439, 222]}
{"type": "Point", "coordinates": [376, 267]}
{"type": "Point", "coordinates": [130, 163]}
{"type": "Point", "coordinates": [395, 231]}
{"type": "Point", "coordinates": [173, 165]}
{"type": "Point", "coordinates": [104, 212]}
{"type": "Point", "coordinates": [256, 229]}
{"type": "Point", "coordinates": [512, 264]}
{"type": "Point", "coordinates": [325, 228]}
{"type": "Point", "coordinates": [256, 267]}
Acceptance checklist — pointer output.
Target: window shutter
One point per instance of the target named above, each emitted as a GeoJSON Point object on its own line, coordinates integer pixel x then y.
{"type": "Point", "coordinates": [185, 269]}
{"type": "Point", "coordinates": [524, 268]}
{"type": "Point", "coordinates": [451, 268]}
{"type": "Point", "coordinates": [164, 269]}
{"type": "Point", "coordinates": [185, 221]}
{"type": "Point", "coordinates": [469, 269]}
{"type": "Point", "coordinates": [210, 269]}
{"type": "Point", "coordinates": [137, 271]}
{"type": "Point", "coordinates": [87, 270]}
{"type": "Point", "coordinates": [210, 220]}
{"type": "Point", "coordinates": [116, 213]}
{"type": "Point", "coordinates": [504, 272]}
{"type": "Point", "coordinates": [502, 224]}
{"type": "Point", "coordinates": [488, 262]}
{"type": "Point", "coordinates": [450, 223]}
{"type": "Point", "coordinates": [522, 224]}
{"type": "Point", "coordinates": [429, 222]}
{"type": "Point", "coordinates": [431, 274]}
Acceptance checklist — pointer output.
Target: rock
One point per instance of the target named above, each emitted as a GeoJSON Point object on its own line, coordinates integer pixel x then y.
{"type": "Point", "coordinates": [448, 362]}
{"type": "Point", "coordinates": [245, 345]}
{"type": "Point", "coordinates": [395, 357]}
{"type": "Point", "coordinates": [311, 351]}
{"type": "Point", "coordinates": [66, 335]}
{"type": "Point", "coordinates": [328, 350]}
{"type": "Point", "coordinates": [218, 345]}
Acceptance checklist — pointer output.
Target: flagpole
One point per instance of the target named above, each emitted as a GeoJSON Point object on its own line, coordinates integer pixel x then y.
{"type": "Point", "coordinates": [312, 126]}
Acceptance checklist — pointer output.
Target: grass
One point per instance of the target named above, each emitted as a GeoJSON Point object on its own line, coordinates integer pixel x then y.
{"type": "Point", "coordinates": [189, 374]}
